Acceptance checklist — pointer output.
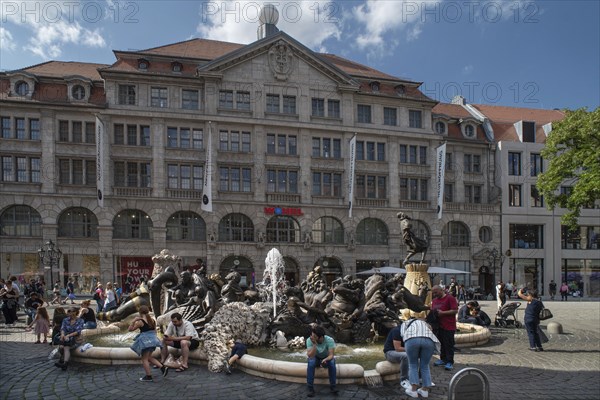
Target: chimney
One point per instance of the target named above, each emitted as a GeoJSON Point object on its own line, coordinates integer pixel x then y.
{"type": "Point", "coordinates": [268, 19]}
{"type": "Point", "coordinates": [458, 99]}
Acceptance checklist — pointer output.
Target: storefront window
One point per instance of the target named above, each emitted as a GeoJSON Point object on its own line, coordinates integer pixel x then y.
{"type": "Point", "coordinates": [528, 272]}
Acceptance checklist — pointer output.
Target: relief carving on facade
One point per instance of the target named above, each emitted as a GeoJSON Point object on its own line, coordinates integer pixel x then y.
{"type": "Point", "coordinates": [280, 60]}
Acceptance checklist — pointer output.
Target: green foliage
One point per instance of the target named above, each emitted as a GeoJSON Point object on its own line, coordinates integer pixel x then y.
{"type": "Point", "coordinates": [573, 153]}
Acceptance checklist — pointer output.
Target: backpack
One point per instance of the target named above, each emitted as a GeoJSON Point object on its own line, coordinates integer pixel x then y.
{"type": "Point", "coordinates": [97, 296]}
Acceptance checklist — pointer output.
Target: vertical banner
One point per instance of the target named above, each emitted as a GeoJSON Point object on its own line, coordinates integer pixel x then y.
{"type": "Point", "coordinates": [351, 175]}
{"type": "Point", "coordinates": [440, 166]}
{"type": "Point", "coordinates": [100, 161]}
{"type": "Point", "coordinates": [207, 190]}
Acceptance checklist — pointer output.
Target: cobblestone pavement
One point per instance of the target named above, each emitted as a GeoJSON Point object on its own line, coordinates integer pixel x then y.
{"type": "Point", "coordinates": [568, 369]}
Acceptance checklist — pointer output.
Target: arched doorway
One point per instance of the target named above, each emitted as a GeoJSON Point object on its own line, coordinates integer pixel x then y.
{"type": "Point", "coordinates": [292, 271]}
{"type": "Point", "coordinates": [331, 267]}
{"type": "Point", "coordinates": [241, 265]}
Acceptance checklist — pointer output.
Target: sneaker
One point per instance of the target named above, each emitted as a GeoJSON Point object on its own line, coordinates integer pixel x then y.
{"type": "Point", "coordinates": [449, 367]}
{"type": "Point", "coordinates": [439, 363]}
{"type": "Point", "coordinates": [333, 390]}
{"type": "Point", "coordinates": [146, 378]}
{"type": "Point", "coordinates": [540, 349]}
{"type": "Point", "coordinates": [533, 349]}
{"type": "Point", "coordinates": [412, 393]}
{"type": "Point", "coordinates": [59, 364]}
{"type": "Point", "coordinates": [165, 370]}
{"type": "Point", "coordinates": [311, 392]}
{"type": "Point", "coordinates": [406, 384]}
{"type": "Point", "coordinates": [432, 384]}
{"type": "Point", "coordinates": [227, 367]}
{"type": "Point", "coordinates": [424, 393]}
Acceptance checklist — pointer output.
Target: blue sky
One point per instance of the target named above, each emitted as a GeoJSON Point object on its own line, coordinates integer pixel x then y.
{"type": "Point", "coordinates": [538, 54]}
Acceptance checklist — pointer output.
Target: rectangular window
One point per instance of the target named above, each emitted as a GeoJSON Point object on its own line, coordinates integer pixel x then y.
{"type": "Point", "coordinates": [273, 103]}
{"type": "Point", "coordinates": [473, 194]}
{"type": "Point", "coordinates": [403, 154]}
{"type": "Point", "coordinates": [333, 108]}
{"type": "Point", "coordinates": [226, 99]}
{"type": "Point", "coordinates": [172, 137]}
{"type": "Point", "coordinates": [246, 143]}
{"type": "Point", "coordinates": [514, 195]}
{"type": "Point", "coordinates": [243, 100]}
{"type": "Point", "coordinates": [413, 189]}
{"type": "Point", "coordinates": [282, 181]}
{"type": "Point", "coordinates": [523, 236]}
{"type": "Point", "coordinates": [363, 113]}
{"type": "Point", "coordinates": [449, 165]}
{"type": "Point", "coordinates": [64, 171]}
{"type": "Point", "coordinates": [270, 143]}
{"type": "Point", "coordinates": [536, 199]}
{"type": "Point", "coordinates": [360, 150]}
{"type": "Point", "coordinates": [132, 174]}
{"type": "Point", "coordinates": [448, 192]}
{"type": "Point", "coordinates": [35, 168]}
{"type": "Point", "coordinates": [118, 131]}
{"type": "Point", "coordinates": [514, 164]}
{"type": "Point", "coordinates": [90, 132]}
{"type": "Point", "coordinates": [327, 184]}
{"type": "Point", "coordinates": [412, 154]}
{"type": "Point", "coordinates": [318, 107]}
{"type": "Point", "coordinates": [77, 133]}
{"type": "Point", "coordinates": [235, 179]}
{"type": "Point", "coordinates": [370, 151]}
{"type": "Point", "coordinates": [20, 126]}
{"type": "Point", "coordinates": [63, 131]}
{"type": "Point", "coordinates": [22, 169]}
{"type": "Point", "coordinates": [371, 186]}
{"type": "Point", "coordinates": [34, 129]}
{"type": "Point", "coordinates": [8, 174]}
{"type": "Point", "coordinates": [390, 116]}
{"type": "Point", "coordinates": [90, 172]}
{"type": "Point", "coordinates": [537, 166]}
{"type": "Point", "coordinates": [380, 151]}
{"type": "Point", "coordinates": [159, 97]}
{"type": "Point", "coordinates": [197, 139]}
{"type": "Point", "coordinates": [289, 104]}
{"type": "Point", "coordinates": [144, 135]}
{"type": "Point", "coordinates": [528, 132]}
{"type": "Point", "coordinates": [414, 119]}
{"type": "Point", "coordinates": [423, 155]}
{"type": "Point", "coordinates": [189, 99]}
{"type": "Point", "coordinates": [77, 172]}
{"type": "Point", "coordinates": [6, 129]}
{"type": "Point", "coordinates": [184, 176]}
{"type": "Point", "coordinates": [184, 138]}
{"type": "Point", "coordinates": [126, 95]}
{"type": "Point", "coordinates": [234, 141]}
{"type": "Point", "coordinates": [132, 135]}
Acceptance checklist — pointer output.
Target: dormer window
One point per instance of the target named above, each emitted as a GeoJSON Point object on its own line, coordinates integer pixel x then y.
{"type": "Point", "coordinates": [375, 86]}
{"type": "Point", "coordinates": [469, 131]}
{"type": "Point", "coordinates": [143, 64]}
{"type": "Point", "coordinates": [78, 92]}
{"type": "Point", "coordinates": [22, 88]}
{"type": "Point", "coordinates": [440, 127]}
{"type": "Point", "coordinates": [176, 67]}
{"type": "Point", "coordinates": [401, 90]}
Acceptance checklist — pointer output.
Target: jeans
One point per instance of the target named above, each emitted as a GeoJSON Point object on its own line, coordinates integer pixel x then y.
{"type": "Point", "coordinates": [446, 339]}
{"type": "Point", "coordinates": [419, 351]}
{"type": "Point", "coordinates": [90, 325]}
{"type": "Point", "coordinates": [399, 357]}
{"type": "Point", "coordinates": [312, 366]}
{"type": "Point", "coordinates": [532, 332]}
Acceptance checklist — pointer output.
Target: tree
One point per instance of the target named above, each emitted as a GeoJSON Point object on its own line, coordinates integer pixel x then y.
{"type": "Point", "coordinates": [573, 153]}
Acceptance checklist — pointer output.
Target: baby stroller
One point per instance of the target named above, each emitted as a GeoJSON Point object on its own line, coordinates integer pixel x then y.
{"type": "Point", "coordinates": [507, 315]}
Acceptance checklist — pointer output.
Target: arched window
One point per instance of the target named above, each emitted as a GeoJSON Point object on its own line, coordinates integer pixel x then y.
{"type": "Point", "coordinates": [440, 127]}
{"type": "Point", "coordinates": [78, 222]}
{"type": "Point", "coordinates": [485, 234]}
{"type": "Point", "coordinates": [420, 229]}
{"type": "Point", "coordinates": [186, 225]}
{"type": "Point", "coordinates": [328, 230]}
{"type": "Point", "coordinates": [22, 88]}
{"type": "Point", "coordinates": [236, 228]}
{"type": "Point", "coordinates": [455, 234]}
{"type": "Point", "coordinates": [132, 224]}
{"type": "Point", "coordinates": [282, 228]}
{"type": "Point", "coordinates": [78, 92]}
{"type": "Point", "coordinates": [371, 231]}
{"type": "Point", "coordinates": [20, 221]}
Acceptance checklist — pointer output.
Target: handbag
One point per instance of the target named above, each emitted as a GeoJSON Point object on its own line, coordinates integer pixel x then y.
{"type": "Point", "coordinates": [545, 314]}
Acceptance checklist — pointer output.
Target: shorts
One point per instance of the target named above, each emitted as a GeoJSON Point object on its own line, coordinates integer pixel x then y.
{"type": "Point", "coordinates": [193, 346]}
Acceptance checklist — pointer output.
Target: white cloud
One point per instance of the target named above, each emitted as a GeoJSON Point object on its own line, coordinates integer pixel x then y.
{"type": "Point", "coordinates": [311, 23]}
{"type": "Point", "coordinates": [51, 28]}
{"type": "Point", "coordinates": [6, 40]}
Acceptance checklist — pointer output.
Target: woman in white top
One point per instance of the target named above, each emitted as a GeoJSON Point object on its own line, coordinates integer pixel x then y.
{"type": "Point", "coordinates": [111, 299]}
{"type": "Point", "coordinates": [420, 344]}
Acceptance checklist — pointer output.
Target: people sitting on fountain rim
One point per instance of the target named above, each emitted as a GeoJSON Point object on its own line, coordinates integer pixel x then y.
{"type": "Point", "coordinates": [180, 334]}
{"type": "Point", "coordinates": [396, 354]}
{"type": "Point", "coordinates": [238, 349]}
{"type": "Point", "coordinates": [320, 352]}
{"type": "Point", "coordinates": [472, 314]}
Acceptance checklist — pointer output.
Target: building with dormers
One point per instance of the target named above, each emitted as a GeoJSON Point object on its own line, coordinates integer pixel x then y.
{"type": "Point", "coordinates": [279, 118]}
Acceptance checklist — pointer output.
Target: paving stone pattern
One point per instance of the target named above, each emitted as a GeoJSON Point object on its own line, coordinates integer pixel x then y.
{"type": "Point", "coordinates": [569, 369]}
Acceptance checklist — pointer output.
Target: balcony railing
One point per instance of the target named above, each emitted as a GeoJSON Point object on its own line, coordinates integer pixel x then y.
{"type": "Point", "coordinates": [275, 198]}
{"type": "Point", "coordinates": [414, 204]}
{"type": "Point", "coordinates": [471, 207]}
{"type": "Point", "coordinates": [372, 202]}
{"type": "Point", "coordinates": [184, 194]}
{"type": "Point", "coordinates": [132, 192]}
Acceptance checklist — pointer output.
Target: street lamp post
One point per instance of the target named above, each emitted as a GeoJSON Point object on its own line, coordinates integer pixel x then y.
{"type": "Point", "coordinates": [495, 255]}
{"type": "Point", "coordinates": [50, 256]}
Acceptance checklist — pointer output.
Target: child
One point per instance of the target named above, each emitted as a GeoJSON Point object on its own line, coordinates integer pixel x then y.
{"type": "Point", "coordinates": [238, 349]}
{"type": "Point", "coordinates": [41, 324]}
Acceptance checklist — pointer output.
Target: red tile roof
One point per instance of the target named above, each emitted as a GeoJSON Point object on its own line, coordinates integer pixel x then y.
{"type": "Point", "coordinates": [204, 49]}
{"type": "Point", "coordinates": [451, 110]}
{"type": "Point", "coordinates": [356, 69]}
{"type": "Point", "coordinates": [60, 69]}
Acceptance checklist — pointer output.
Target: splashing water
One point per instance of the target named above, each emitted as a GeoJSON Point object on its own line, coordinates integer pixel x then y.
{"type": "Point", "coordinates": [273, 283]}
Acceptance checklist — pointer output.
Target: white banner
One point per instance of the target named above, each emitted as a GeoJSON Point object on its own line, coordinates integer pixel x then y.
{"type": "Point", "coordinates": [100, 161]}
{"type": "Point", "coordinates": [351, 175]}
{"type": "Point", "coordinates": [207, 190]}
{"type": "Point", "coordinates": [440, 165]}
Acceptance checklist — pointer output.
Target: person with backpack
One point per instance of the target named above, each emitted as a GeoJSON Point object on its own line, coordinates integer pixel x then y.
{"type": "Point", "coordinates": [99, 297]}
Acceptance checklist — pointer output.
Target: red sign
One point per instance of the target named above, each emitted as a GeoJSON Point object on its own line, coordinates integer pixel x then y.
{"type": "Point", "coordinates": [283, 211]}
{"type": "Point", "coordinates": [133, 269]}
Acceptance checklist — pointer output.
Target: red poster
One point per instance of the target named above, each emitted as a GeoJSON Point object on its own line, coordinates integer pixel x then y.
{"type": "Point", "coordinates": [133, 269]}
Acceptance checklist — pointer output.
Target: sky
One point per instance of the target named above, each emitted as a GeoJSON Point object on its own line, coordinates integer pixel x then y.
{"type": "Point", "coordinates": [521, 53]}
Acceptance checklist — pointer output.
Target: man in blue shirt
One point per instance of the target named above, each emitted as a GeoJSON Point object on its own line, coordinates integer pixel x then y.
{"type": "Point", "coordinates": [395, 353]}
{"type": "Point", "coordinates": [320, 351]}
